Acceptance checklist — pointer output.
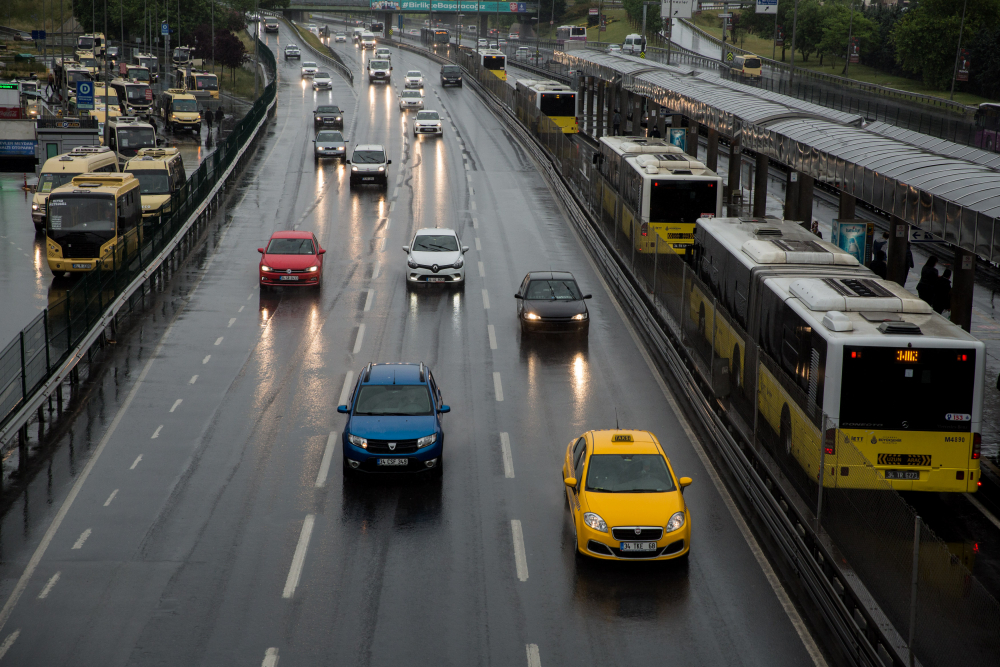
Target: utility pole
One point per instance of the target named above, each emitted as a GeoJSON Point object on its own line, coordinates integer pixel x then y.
{"type": "Point", "coordinates": [958, 52]}
{"type": "Point", "coordinates": [795, 23]}
{"type": "Point", "coordinates": [774, 42]}
{"type": "Point", "coordinates": [850, 33]}
{"type": "Point", "coordinates": [256, 51]}
{"type": "Point", "coordinates": [670, 29]}
{"type": "Point", "coordinates": [107, 107]}
{"type": "Point", "coordinates": [213, 35]}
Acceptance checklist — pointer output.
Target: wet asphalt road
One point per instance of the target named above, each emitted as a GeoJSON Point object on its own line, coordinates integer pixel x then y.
{"type": "Point", "coordinates": [179, 546]}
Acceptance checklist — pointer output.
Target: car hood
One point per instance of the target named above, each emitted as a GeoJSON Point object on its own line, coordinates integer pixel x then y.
{"type": "Point", "coordinates": [634, 509]}
{"type": "Point", "coordinates": [388, 428]}
{"type": "Point", "coordinates": [427, 122]}
{"type": "Point", "coordinates": [555, 308]}
{"type": "Point", "coordinates": [331, 144]}
{"type": "Point", "coordinates": [367, 167]}
{"type": "Point", "coordinates": [322, 79]}
{"type": "Point", "coordinates": [289, 261]}
{"type": "Point", "coordinates": [439, 258]}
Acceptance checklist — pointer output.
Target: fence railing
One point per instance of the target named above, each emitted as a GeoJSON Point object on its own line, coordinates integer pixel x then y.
{"type": "Point", "coordinates": [41, 352]}
{"type": "Point", "coordinates": [341, 68]}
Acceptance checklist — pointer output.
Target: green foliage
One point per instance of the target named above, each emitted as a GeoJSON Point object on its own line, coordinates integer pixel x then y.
{"type": "Point", "coordinates": [633, 8]}
{"type": "Point", "coordinates": [138, 15]}
{"type": "Point", "coordinates": [839, 25]}
{"type": "Point", "coordinates": [881, 52]}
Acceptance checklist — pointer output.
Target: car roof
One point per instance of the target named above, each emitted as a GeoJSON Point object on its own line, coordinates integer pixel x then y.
{"type": "Point", "coordinates": [436, 230]}
{"type": "Point", "coordinates": [291, 235]}
{"type": "Point", "coordinates": [623, 441]}
{"type": "Point", "coordinates": [551, 275]}
{"type": "Point", "coordinates": [370, 147]}
{"type": "Point", "coordinates": [395, 373]}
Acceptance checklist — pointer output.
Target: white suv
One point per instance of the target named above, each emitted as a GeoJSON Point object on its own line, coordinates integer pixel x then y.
{"type": "Point", "coordinates": [369, 166]}
{"type": "Point", "coordinates": [413, 79]}
{"type": "Point", "coordinates": [435, 256]}
{"type": "Point", "coordinates": [383, 53]}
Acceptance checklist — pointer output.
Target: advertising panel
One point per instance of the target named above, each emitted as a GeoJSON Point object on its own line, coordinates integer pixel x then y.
{"type": "Point", "coordinates": [678, 137]}
{"type": "Point", "coordinates": [854, 237]}
{"type": "Point", "coordinates": [963, 66]}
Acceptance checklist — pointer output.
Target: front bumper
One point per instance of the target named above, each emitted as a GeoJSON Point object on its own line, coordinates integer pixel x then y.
{"type": "Point", "coordinates": [369, 178]}
{"type": "Point", "coordinates": [555, 326]}
{"type": "Point", "coordinates": [274, 279]}
{"type": "Point", "coordinates": [404, 106]}
{"type": "Point", "coordinates": [341, 153]}
{"type": "Point", "coordinates": [428, 129]}
{"type": "Point", "coordinates": [446, 275]}
{"type": "Point", "coordinates": [421, 461]}
{"type": "Point", "coordinates": [605, 547]}
{"type": "Point", "coordinates": [414, 84]}
{"type": "Point", "coordinates": [451, 82]}
{"type": "Point", "coordinates": [317, 85]}
{"type": "Point", "coordinates": [329, 122]}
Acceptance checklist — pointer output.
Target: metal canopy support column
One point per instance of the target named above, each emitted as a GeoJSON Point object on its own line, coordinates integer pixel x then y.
{"type": "Point", "coordinates": [791, 211]}
{"type": "Point", "coordinates": [637, 101]}
{"type": "Point", "coordinates": [735, 171]}
{"type": "Point", "coordinates": [581, 96]}
{"type": "Point", "coordinates": [712, 161]}
{"type": "Point", "coordinates": [848, 204]}
{"type": "Point", "coordinates": [600, 110]}
{"type": "Point", "coordinates": [654, 114]}
{"type": "Point", "coordinates": [961, 289]}
{"type": "Point", "coordinates": [591, 124]}
{"type": "Point", "coordinates": [661, 124]}
{"type": "Point", "coordinates": [760, 186]}
{"type": "Point", "coordinates": [897, 265]}
{"type": "Point", "coordinates": [692, 138]}
{"type": "Point", "coordinates": [806, 199]}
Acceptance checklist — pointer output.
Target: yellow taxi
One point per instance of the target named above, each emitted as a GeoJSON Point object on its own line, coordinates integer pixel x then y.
{"type": "Point", "coordinates": [625, 500]}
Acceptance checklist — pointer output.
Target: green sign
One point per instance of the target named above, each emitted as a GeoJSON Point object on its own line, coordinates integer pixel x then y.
{"type": "Point", "coordinates": [8, 86]}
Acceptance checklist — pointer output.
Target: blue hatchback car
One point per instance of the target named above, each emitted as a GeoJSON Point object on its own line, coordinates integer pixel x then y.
{"type": "Point", "coordinates": [394, 421]}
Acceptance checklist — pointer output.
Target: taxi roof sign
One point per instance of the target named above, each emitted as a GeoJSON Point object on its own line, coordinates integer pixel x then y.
{"type": "Point", "coordinates": [622, 437]}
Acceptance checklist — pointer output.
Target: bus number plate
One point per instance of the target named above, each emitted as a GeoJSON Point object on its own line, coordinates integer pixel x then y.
{"type": "Point", "coordinates": [903, 474]}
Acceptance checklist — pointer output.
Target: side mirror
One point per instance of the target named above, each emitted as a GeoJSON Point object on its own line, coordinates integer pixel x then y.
{"type": "Point", "coordinates": [518, 296]}
{"type": "Point", "coordinates": [443, 409]}
{"type": "Point", "coordinates": [388, 161]}
{"type": "Point", "coordinates": [322, 251]}
{"type": "Point", "coordinates": [685, 481]}
{"type": "Point", "coordinates": [406, 249]}
{"type": "Point", "coordinates": [343, 409]}
{"type": "Point", "coordinates": [465, 249]}
{"type": "Point", "coordinates": [260, 250]}
{"type": "Point", "coordinates": [314, 141]}
{"type": "Point", "coordinates": [588, 296]}
{"type": "Point", "coordinates": [570, 482]}
{"type": "Point", "coordinates": [347, 162]}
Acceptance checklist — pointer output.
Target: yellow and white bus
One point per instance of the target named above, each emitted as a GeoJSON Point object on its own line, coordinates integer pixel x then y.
{"type": "Point", "coordinates": [161, 173]}
{"type": "Point", "coordinates": [86, 220]}
{"type": "Point", "coordinates": [836, 362]}
{"type": "Point", "coordinates": [652, 185]}
{"type": "Point", "coordinates": [60, 170]}
{"type": "Point", "coordinates": [555, 100]}
{"type": "Point", "coordinates": [495, 61]}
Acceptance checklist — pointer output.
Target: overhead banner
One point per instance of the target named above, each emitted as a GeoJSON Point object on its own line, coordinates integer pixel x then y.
{"type": "Point", "coordinates": [767, 7]}
{"type": "Point", "coordinates": [678, 9]}
{"type": "Point", "coordinates": [855, 53]}
{"type": "Point", "coordinates": [490, 7]}
{"type": "Point", "coordinates": [963, 66]}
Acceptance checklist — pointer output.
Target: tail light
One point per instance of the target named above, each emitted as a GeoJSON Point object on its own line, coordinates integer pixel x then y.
{"type": "Point", "coordinates": [977, 445]}
{"type": "Point", "coordinates": [830, 444]}
{"type": "Point", "coordinates": [644, 229]}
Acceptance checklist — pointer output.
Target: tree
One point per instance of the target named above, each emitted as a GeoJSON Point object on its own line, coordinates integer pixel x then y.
{"type": "Point", "coordinates": [809, 31]}
{"type": "Point", "coordinates": [881, 52]}
{"type": "Point", "coordinates": [230, 51]}
{"type": "Point", "coordinates": [838, 26]}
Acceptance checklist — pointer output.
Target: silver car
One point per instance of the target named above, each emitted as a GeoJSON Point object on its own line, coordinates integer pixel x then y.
{"type": "Point", "coordinates": [413, 79]}
{"type": "Point", "coordinates": [330, 143]}
{"type": "Point", "coordinates": [322, 80]}
{"type": "Point", "coordinates": [411, 99]}
{"type": "Point", "coordinates": [341, 37]}
{"type": "Point", "coordinates": [309, 69]}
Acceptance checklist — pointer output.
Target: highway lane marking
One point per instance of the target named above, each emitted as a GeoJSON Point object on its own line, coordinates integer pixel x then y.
{"type": "Point", "coordinates": [194, 378]}
{"type": "Point", "coordinates": [241, 309]}
{"type": "Point", "coordinates": [508, 459]}
{"type": "Point", "coordinates": [381, 246]}
{"type": "Point", "coordinates": [83, 538]}
{"type": "Point", "coordinates": [111, 497]}
{"type": "Point", "coordinates": [388, 223]}
{"type": "Point", "coordinates": [979, 506]}
{"type": "Point", "coordinates": [176, 403]}
{"type": "Point", "coordinates": [295, 572]}
{"type": "Point", "coordinates": [392, 206]}
{"type": "Point", "coordinates": [472, 191]}
{"type": "Point", "coordinates": [218, 341]}
{"type": "Point", "coordinates": [534, 660]}
{"type": "Point", "coordinates": [493, 336]}
{"type": "Point", "coordinates": [395, 193]}
{"type": "Point", "coordinates": [497, 387]}
{"type": "Point", "coordinates": [270, 658]}
{"type": "Point", "coordinates": [136, 462]}
{"type": "Point", "coordinates": [520, 559]}
{"type": "Point", "coordinates": [482, 270]}
{"type": "Point", "coordinates": [156, 433]}
{"type": "Point", "coordinates": [479, 248]}
{"type": "Point", "coordinates": [360, 339]}
{"type": "Point", "coordinates": [378, 267]}
{"type": "Point", "coordinates": [472, 204]}
{"type": "Point", "coordinates": [231, 321]}
{"type": "Point", "coordinates": [324, 467]}
{"type": "Point", "coordinates": [7, 643]}
{"type": "Point", "coordinates": [475, 222]}
{"type": "Point", "coordinates": [346, 391]}
{"type": "Point", "coordinates": [486, 300]}
{"type": "Point", "coordinates": [369, 300]}
{"type": "Point", "coordinates": [251, 296]}
{"type": "Point", "coordinates": [205, 360]}
{"type": "Point", "coordinates": [779, 590]}
{"type": "Point", "coordinates": [49, 586]}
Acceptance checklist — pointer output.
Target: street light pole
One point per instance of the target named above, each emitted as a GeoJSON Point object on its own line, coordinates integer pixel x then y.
{"type": "Point", "coordinates": [850, 33]}
{"type": "Point", "coordinates": [107, 110]}
{"type": "Point", "coordinates": [670, 29]}
{"type": "Point", "coordinates": [958, 52]}
{"type": "Point", "coordinates": [795, 23]}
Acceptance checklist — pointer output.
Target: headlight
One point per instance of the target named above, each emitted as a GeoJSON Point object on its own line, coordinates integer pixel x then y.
{"type": "Point", "coordinates": [410, 263]}
{"type": "Point", "coordinates": [339, 118]}
{"type": "Point", "coordinates": [595, 522]}
{"type": "Point", "coordinates": [318, 118]}
{"type": "Point", "coordinates": [460, 263]}
{"type": "Point", "coordinates": [676, 522]}
{"type": "Point", "coordinates": [357, 441]}
{"type": "Point", "coordinates": [265, 268]}
{"type": "Point", "coordinates": [381, 168]}
{"type": "Point", "coordinates": [531, 316]}
{"type": "Point", "coordinates": [34, 207]}
{"type": "Point", "coordinates": [313, 269]}
{"type": "Point", "coordinates": [427, 441]}
{"type": "Point", "coordinates": [581, 316]}
{"type": "Point", "coordinates": [173, 116]}
{"type": "Point", "coordinates": [354, 168]}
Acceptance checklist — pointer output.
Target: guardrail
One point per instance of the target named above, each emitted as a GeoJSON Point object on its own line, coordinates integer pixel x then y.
{"type": "Point", "coordinates": [46, 353]}
{"type": "Point", "coordinates": [341, 68]}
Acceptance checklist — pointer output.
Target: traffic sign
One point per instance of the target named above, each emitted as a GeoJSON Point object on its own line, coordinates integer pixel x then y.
{"type": "Point", "coordinates": [726, 15]}
{"type": "Point", "coordinates": [767, 7]}
{"type": "Point", "coordinates": [164, 28]}
{"type": "Point", "coordinates": [37, 34]}
{"type": "Point", "coordinates": [642, 54]}
{"type": "Point", "coordinates": [85, 95]}
{"type": "Point", "coordinates": [920, 236]}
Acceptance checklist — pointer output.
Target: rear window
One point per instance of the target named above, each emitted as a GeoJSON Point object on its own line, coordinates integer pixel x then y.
{"type": "Point", "coordinates": [752, 63]}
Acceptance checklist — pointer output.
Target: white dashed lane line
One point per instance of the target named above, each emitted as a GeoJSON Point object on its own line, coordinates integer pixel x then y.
{"type": "Point", "coordinates": [360, 339]}
{"type": "Point", "coordinates": [299, 559]}
{"type": "Point", "coordinates": [270, 658]}
{"type": "Point", "coordinates": [205, 360]}
{"type": "Point", "coordinates": [486, 300]}
{"type": "Point", "coordinates": [497, 387]}
{"type": "Point", "coordinates": [482, 270]}
{"type": "Point", "coordinates": [534, 660]}
{"type": "Point", "coordinates": [156, 433]}
{"type": "Point", "coordinates": [508, 458]}
{"type": "Point", "coordinates": [7, 643]}
{"type": "Point", "coordinates": [324, 467]}
{"type": "Point", "coordinates": [176, 403]}
{"type": "Point", "coordinates": [520, 558]}
{"type": "Point", "coordinates": [111, 497]}
{"type": "Point", "coordinates": [194, 378]}
{"type": "Point", "coordinates": [53, 580]}
{"type": "Point", "coordinates": [345, 392]}
{"type": "Point", "coordinates": [369, 300]}
{"type": "Point", "coordinates": [83, 538]}
{"type": "Point", "coordinates": [478, 246]}
{"type": "Point", "coordinates": [493, 336]}
{"type": "Point", "coordinates": [231, 321]}
{"type": "Point", "coordinates": [218, 341]}
{"type": "Point", "coordinates": [136, 462]}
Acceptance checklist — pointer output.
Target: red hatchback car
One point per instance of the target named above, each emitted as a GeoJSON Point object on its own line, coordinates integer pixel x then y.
{"type": "Point", "coordinates": [291, 258]}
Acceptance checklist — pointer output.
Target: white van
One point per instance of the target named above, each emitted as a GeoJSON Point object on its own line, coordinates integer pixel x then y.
{"type": "Point", "coordinates": [634, 44]}
{"type": "Point", "coordinates": [367, 40]}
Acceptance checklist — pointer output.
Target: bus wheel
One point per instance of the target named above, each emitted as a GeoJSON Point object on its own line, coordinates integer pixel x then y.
{"type": "Point", "coordinates": [737, 371]}
{"type": "Point", "coordinates": [785, 432]}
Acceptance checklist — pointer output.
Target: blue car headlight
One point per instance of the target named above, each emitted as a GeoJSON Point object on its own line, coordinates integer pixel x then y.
{"type": "Point", "coordinates": [357, 441]}
{"type": "Point", "coordinates": [427, 441]}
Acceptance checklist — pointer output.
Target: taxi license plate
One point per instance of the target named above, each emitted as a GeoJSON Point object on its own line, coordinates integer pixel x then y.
{"type": "Point", "coordinates": [393, 462]}
{"type": "Point", "coordinates": [289, 278]}
{"type": "Point", "coordinates": [367, 178]}
{"type": "Point", "coordinates": [81, 266]}
{"type": "Point", "coordinates": [902, 474]}
{"type": "Point", "coordinates": [435, 280]}
{"type": "Point", "coordinates": [638, 546]}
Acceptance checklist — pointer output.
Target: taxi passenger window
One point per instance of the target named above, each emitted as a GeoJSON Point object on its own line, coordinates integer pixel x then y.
{"type": "Point", "coordinates": [578, 469]}
{"type": "Point", "coordinates": [578, 450]}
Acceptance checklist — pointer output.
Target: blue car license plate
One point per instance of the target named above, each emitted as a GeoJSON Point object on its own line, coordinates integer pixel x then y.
{"type": "Point", "coordinates": [393, 462]}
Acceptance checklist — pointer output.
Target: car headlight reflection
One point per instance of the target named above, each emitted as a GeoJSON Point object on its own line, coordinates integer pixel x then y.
{"type": "Point", "coordinates": [313, 269]}
{"type": "Point", "coordinates": [358, 441]}
{"type": "Point", "coordinates": [531, 316]}
{"type": "Point", "coordinates": [427, 440]}
{"type": "Point", "coordinates": [676, 522]}
{"type": "Point", "coordinates": [595, 522]}
{"type": "Point", "coordinates": [581, 316]}
{"type": "Point", "coordinates": [265, 268]}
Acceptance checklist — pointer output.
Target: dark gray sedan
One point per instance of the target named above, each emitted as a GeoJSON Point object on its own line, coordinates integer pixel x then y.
{"type": "Point", "coordinates": [551, 302]}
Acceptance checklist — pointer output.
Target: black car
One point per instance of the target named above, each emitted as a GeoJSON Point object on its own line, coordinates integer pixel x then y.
{"type": "Point", "coordinates": [328, 115]}
{"type": "Point", "coordinates": [551, 302]}
{"type": "Point", "coordinates": [451, 75]}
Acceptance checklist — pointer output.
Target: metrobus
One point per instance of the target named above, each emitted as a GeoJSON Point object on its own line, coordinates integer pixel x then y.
{"type": "Point", "coordinates": [654, 187]}
{"type": "Point", "coordinates": [987, 126]}
{"type": "Point", "coordinates": [434, 36]}
{"type": "Point", "coordinates": [495, 61]}
{"type": "Point", "coordinates": [832, 361]}
{"type": "Point", "coordinates": [555, 100]}
{"type": "Point", "coordinates": [91, 221]}
{"type": "Point", "coordinates": [574, 33]}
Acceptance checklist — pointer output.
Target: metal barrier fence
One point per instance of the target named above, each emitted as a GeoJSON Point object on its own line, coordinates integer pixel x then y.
{"type": "Point", "coordinates": [42, 349]}
{"type": "Point", "coordinates": [923, 586]}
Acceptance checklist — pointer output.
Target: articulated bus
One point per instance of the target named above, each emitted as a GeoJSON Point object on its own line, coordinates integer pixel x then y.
{"type": "Point", "coordinates": [988, 126]}
{"type": "Point", "coordinates": [839, 360]}
{"type": "Point", "coordinates": [87, 217]}
{"type": "Point", "coordinates": [495, 61]}
{"type": "Point", "coordinates": [555, 100]}
{"type": "Point", "coordinates": [653, 185]}
{"type": "Point", "coordinates": [574, 33]}
{"type": "Point", "coordinates": [434, 36]}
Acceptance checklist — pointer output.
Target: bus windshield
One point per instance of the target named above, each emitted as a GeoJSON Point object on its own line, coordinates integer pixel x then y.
{"type": "Point", "coordinates": [49, 182]}
{"type": "Point", "coordinates": [151, 63]}
{"type": "Point", "coordinates": [186, 105]}
{"type": "Point", "coordinates": [494, 62]}
{"type": "Point", "coordinates": [206, 83]}
{"type": "Point", "coordinates": [134, 138]}
{"type": "Point", "coordinates": [682, 201]}
{"type": "Point", "coordinates": [153, 182]}
{"type": "Point", "coordinates": [85, 43]}
{"type": "Point", "coordinates": [136, 93]}
{"type": "Point", "coordinates": [917, 389]}
{"type": "Point", "coordinates": [74, 214]}
{"type": "Point", "coordinates": [138, 73]}
{"type": "Point", "coordinates": [558, 104]}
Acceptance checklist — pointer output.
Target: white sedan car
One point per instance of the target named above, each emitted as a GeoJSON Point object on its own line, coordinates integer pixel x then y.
{"type": "Point", "coordinates": [411, 99]}
{"type": "Point", "coordinates": [435, 256]}
{"type": "Point", "coordinates": [309, 69]}
{"type": "Point", "coordinates": [322, 80]}
{"type": "Point", "coordinates": [427, 122]}
{"type": "Point", "coordinates": [341, 37]}
{"type": "Point", "coordinates": [413, 79]}
{"type": "Point", "coordinates": [482, 42]}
